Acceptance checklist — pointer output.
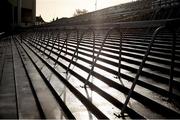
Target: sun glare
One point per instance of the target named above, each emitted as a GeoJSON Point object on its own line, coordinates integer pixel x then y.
{"type": "Point", "coordinates": [50, 9]}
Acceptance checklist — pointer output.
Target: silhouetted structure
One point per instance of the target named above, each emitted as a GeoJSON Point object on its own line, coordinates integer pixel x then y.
{"type": "Point", "coordinates": [39, 20]}
{"type": "Point", "coordinates": [77, 68]}
{"type": "Point", "coordinates": [16, 13]}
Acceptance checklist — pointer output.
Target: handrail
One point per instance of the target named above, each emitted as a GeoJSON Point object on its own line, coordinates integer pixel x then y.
{"type": "Point", "coordinates": [76, 51]}
{"type": "Point", "coordinates": [99, 52]}
{"type": "Point", "coordinates": [169, 24]}
{"type": "Point", "coordinates": [65, 42]}
{"type": "Point", "coordinates": [79, 41]}
{"type": "Point", "coordinates": [143, 63]}
{"type": "Point", "coordinates": [134, 24]}
{"type": "Point", "coordinates": [172, 64]}
{"type": "Point", "coordinates": [164, 3]}
{"type": "Point", "coordinates": [44, 37]}
{"type": "Point", "coordinates": [49, 37]}
{"type": "Point", "coordinates": [57, 38]}
{"type": "Point", "coordinates": [140, 70]}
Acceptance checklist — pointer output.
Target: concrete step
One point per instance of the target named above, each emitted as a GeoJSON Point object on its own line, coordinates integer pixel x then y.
{"type": "Point", "coordinates": [146, 73]}
{"type": "Point", "coordinates": [43, 94]}
{"type": "Point", "coordinates": [151, 92]}
{"type": "Point", "coordinates": [161, 56]}
{"type": "Point", "coordinates": [26, 98]}
{"type": "Point", "coordinates": [162, 69]}
{"type": "Point", "coordinates": [78, 95]}
{"type": "Point", "coordinates": [8, 103]}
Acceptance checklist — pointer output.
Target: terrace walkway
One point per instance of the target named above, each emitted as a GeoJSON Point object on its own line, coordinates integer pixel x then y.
{"type": "Point", "coordinates": [50, 73]}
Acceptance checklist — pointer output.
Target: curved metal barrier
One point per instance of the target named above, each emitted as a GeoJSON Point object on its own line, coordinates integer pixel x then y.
{"type": "Point", "coordinates": [156, 32]}
{"type": "Point", "coordinates": [159, 25]}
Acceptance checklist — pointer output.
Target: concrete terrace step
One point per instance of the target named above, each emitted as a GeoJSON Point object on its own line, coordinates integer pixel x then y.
{"type": "Point", "coordinates": [43, 94]}
{"type": "Point", "coordinates": [152, 58]}
{"type": "Point", "coordinates": [8, 105]}
{"type": "Point", "coordinates": [26, 101]}
{"type": "Point", "coordinates": [39, 82]}
{"type": "Point", "coordinates": [46, 54]}
{"type": "Point", "coordinates": [154, 52]}
{"type": "Point", "coordinates": [114, 64]}
{"type": "Point", "coordinates": [77, 94]}
{"type": "Point", "coordinates": [156, 76]}
{"type": "Point", "coordinates": [135, 62]}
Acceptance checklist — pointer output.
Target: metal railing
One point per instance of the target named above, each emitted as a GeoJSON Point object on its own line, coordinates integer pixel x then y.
{"type": "Point", "coordinates": [156, 32]}
{"type": "Point", "coordinates": [170, 25]}
{"type": "Point", "coordinates": [164, 3]}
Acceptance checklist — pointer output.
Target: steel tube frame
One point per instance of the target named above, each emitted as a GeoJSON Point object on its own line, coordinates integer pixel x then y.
{"type": "Point", "coordinates": [37, 34]}
{"type": "Point", "coordinates": [65, 42]}
{"type": "Point", "coordinates": [56, 39]}
{"type": "Point", "coordinates": [76, 51]}
{"type": "Point", "coordinates": [172, 64]}
{"type": "Point", "coordinates": [143, 63]}
{"type": "Point", "coordinates": [44, 34]}
{"type": "Point", "coordinates": [49, 37]}
{"type": "Point", "coordinates": [96, 58]}
{"type": "Point", "coordinates": [77, 47]}
{"type": "Point", "coordinates": [40, 40]}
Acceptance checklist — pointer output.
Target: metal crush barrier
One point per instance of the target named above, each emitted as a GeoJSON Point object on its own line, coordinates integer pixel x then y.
{"type": "Point", "coordinates": [52, 34]}
{"type": "Point", "coordinates": [164, 3]}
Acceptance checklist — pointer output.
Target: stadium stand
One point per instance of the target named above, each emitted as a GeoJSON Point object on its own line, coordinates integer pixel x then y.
{"type": "Point", "coordinates": [127, 67]}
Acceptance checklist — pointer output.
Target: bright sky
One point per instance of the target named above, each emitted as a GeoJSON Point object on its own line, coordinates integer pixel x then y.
{"type": "Point", "coordinates": [50, 9]}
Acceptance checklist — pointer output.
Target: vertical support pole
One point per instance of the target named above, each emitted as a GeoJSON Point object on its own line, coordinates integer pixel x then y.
{"type": "Point", "coordinates": [76, 51]}
{"type": "Point", "coordinates": [39, 38]}
{"type": "Point", "coordinates": [120, 55]}
{"type": "Point", "coordinates": [35, 42]}
{"type": "Point", "coordinates": [140, 69]}
{"type": "Point", "coordinates": [172, 65]}
{"type": "Point", "coordinates": [34, 11]}
{"type": "Point", "coordinates": [67, 35]}
{"type": "Point", "coordinates": [55, 39]}
{"type": "Point", "coordinates": [44, 34]}
{"type": "Point", "coordinates": [13, 7]}
{"type": "Point", "coordinates": [66, 42]}
{"type": "Point", "coordinates": [53, 33]}
{"type": "Point", "coordinates": [19, 11]}
{"type": "Point", "coordinates": [59, 39]}
{"type": "Point", "coordinates": [33, 36]}
{"type": "Point", "coordinates": [47, 43]}
{"type": "Point", "coordinates": [21, 37]}
{"type": "Point", "coordinates": [96, 58]}
{"type": "Point", "coordinates": [93, 47]}
{"type": "Point", "coordinates": [77, 47]}
{"type": "Point", "coordinates": [77, 38]}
